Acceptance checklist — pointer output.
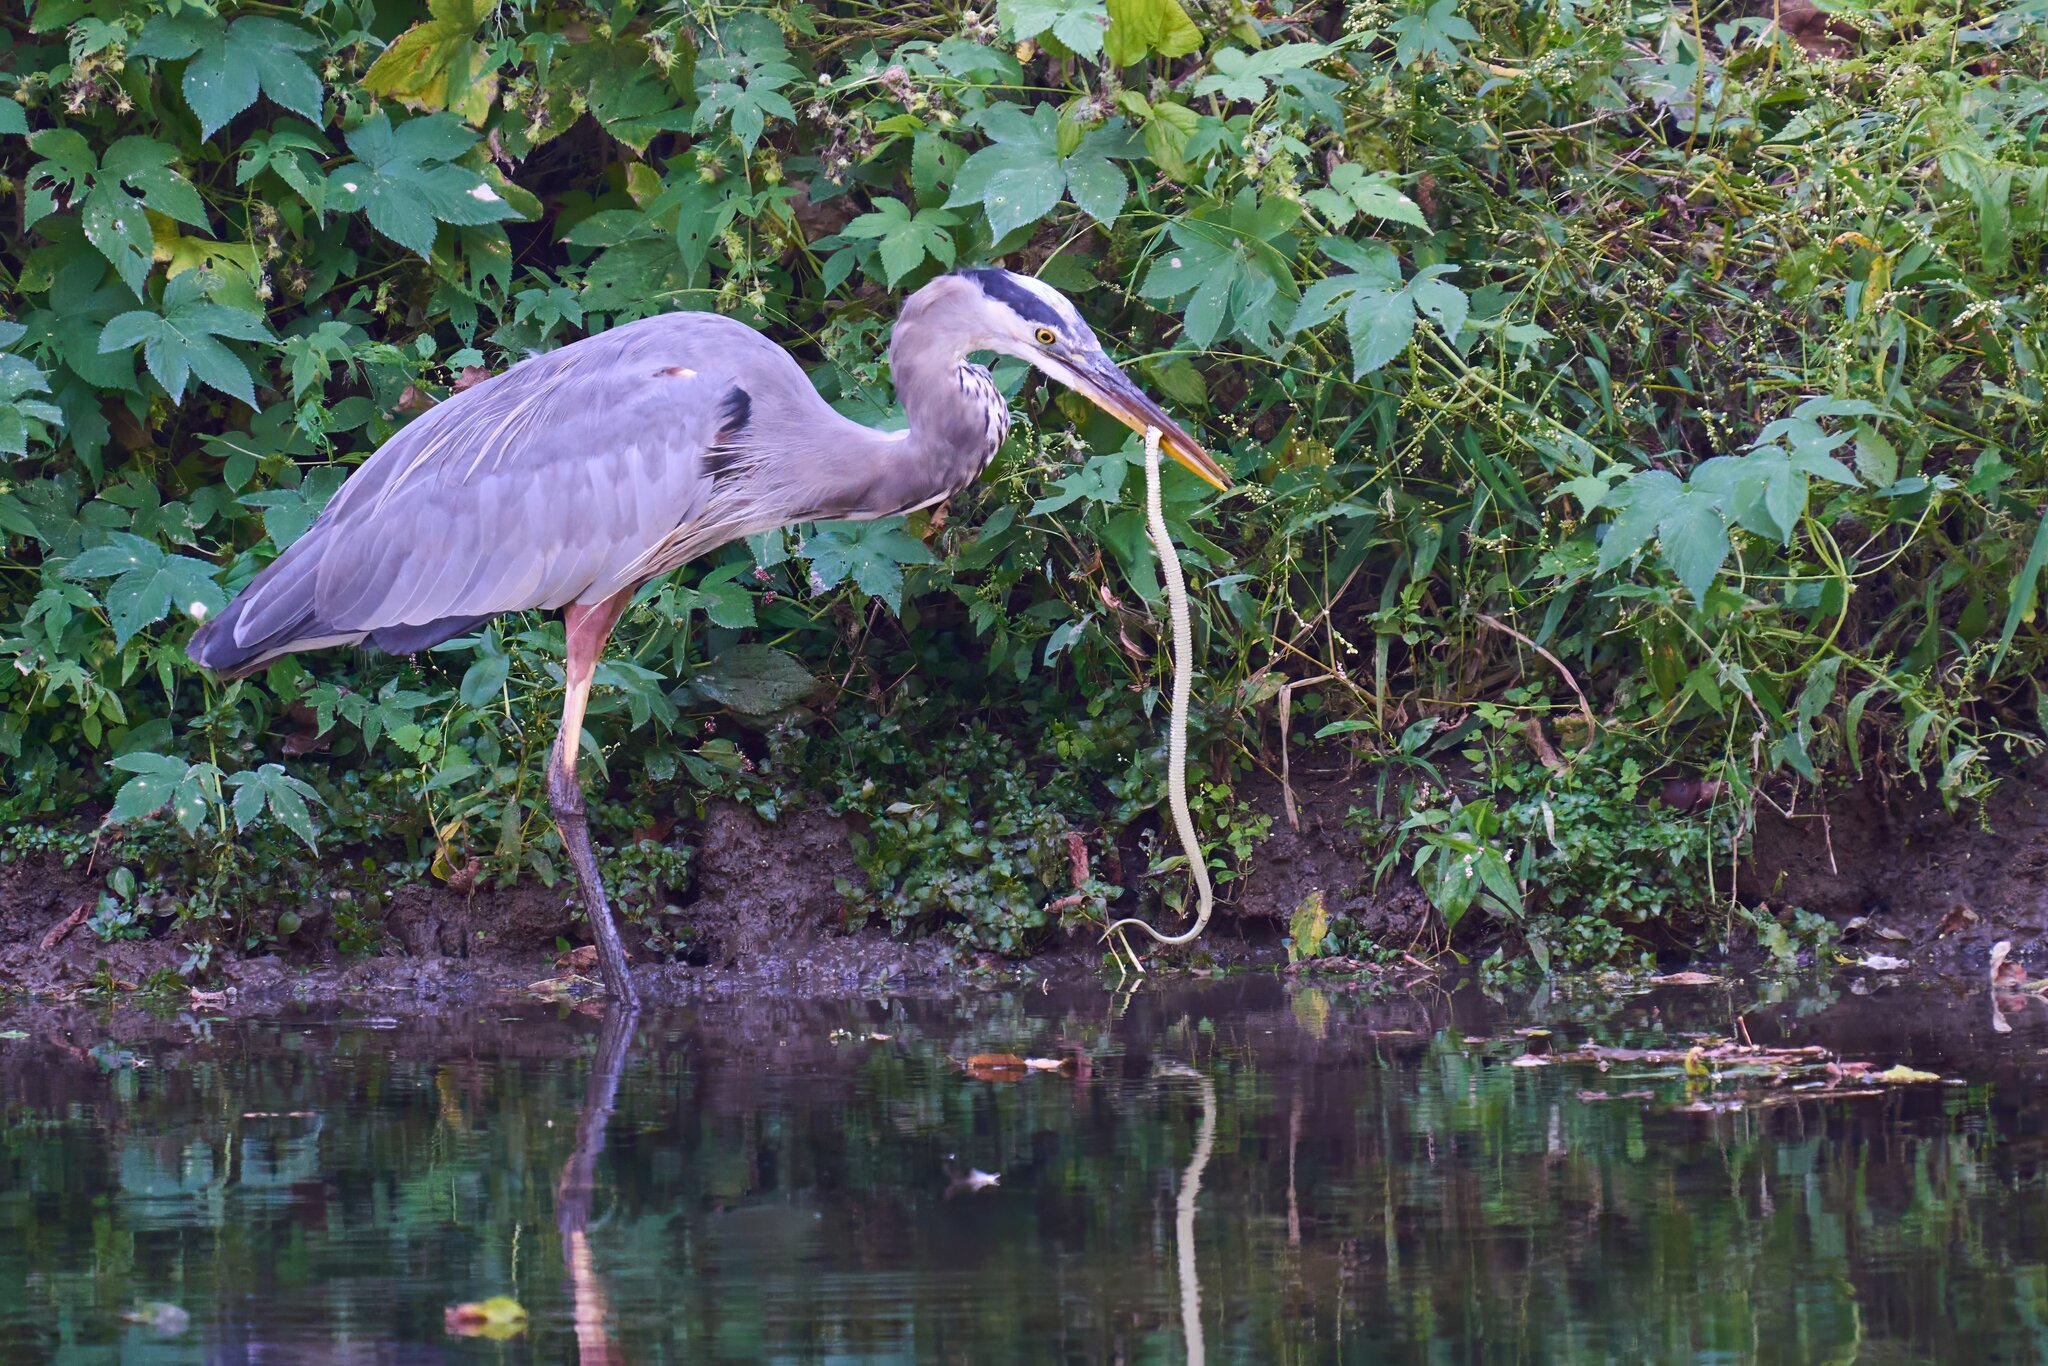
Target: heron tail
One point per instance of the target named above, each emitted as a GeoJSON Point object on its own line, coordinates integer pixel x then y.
{"type": "Point", "coordinates": [272, 617]}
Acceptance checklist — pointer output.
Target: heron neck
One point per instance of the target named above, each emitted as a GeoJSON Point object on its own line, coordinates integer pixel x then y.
{"type": "Point", "coordinates": [957, 416]}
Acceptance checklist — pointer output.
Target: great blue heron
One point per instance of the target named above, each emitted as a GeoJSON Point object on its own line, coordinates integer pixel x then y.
{"type": "Point", "coordinates": [575, 477]}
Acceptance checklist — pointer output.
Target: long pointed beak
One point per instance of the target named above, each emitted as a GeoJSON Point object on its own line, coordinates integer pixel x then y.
{"type": "Point", "coordinates": [1112, 391]}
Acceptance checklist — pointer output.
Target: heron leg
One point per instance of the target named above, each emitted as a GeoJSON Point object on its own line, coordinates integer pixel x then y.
{"type": "Point", "coordinates": [589, 624]}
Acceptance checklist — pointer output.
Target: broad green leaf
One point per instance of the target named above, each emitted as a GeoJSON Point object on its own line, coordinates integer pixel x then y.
{"type": "Point", "coordinates": [1434, 32]}
{"type": "Point", "coordinates": [13, 119]}
{"type": "Point", "coordinates": [160, 779]}
{"type": "Point", "coordinates": [231, 62]}
{"type": "Point", "coordinates": [1643, 501]}
{"type": "Point", "coordinates": [403, 182]}
{"type": "Point", "coordinates": [742, 86]}
{"type": "Point", "coordinates": [1693, 535]}
{"type": "Point", "coordinates": [872, 554]}
{"type": "Point", "coordinates": [1353, 191]}
{"type": "Point", "coordinates": [147, 583]}
{"type": "Point", "coordinates": [286, 797]}
{"type": "Point", "coordinates": [1138, 28]}
{"type": "Point", "coordinates": [905, 239]}
{"type": "Point", "coordinates": [1077, 24]}
{"type": "Point", "coordinates": [188, 339]}
{"type": "Point", "coordinates": [2024, 593]}
{"type": "Point", "coordinates": [755, 680]}
{"type": "Point", "coordinates": [22, 416]}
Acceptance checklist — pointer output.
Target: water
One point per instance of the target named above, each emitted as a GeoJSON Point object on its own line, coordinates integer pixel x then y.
{"type": "Point", "coordinates": [1232, 1171]}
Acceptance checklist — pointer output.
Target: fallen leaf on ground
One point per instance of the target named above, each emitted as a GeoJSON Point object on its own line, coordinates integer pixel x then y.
{"type": "Point", "coordinates": [64, 927]}
{"type": "Point", "coordinates": [1046, 1064]}
{"type": "Point", "coordinates": [1881, 962]}
{"type": "Point", "coordinates": [1902, 1073]}
{"type": "Point", "coordinates": [581, 959]}
{"type": "Point", "coordinates": [1894, 935]}
{"type": "Point", "coordinates": [1686, 979]}
{"type": "Point", "coordinates": [879, 1038]}
{"type": "Point", "coordinates": [500, 1316]}
{"type": "Point", "coordinates": [1958, 916]}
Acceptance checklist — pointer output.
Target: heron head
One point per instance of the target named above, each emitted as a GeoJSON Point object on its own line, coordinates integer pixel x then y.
{"type": "Point", "coordinates": [1029, 319]}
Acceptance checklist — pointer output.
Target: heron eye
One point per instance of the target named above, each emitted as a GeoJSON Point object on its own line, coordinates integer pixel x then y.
{"type": "Point", "coordinates": [1045, 336]}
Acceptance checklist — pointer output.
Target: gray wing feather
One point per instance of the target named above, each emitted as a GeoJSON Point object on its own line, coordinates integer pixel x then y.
{"type": "Point", "coordinates": [557, 481]}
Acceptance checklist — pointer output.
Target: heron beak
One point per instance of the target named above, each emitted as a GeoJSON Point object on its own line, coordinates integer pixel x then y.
{"type": "Point", "coordinates": [1109, 389]}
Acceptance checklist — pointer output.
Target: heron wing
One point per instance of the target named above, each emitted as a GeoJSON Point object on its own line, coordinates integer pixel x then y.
{"type": "Point", "coordinates": [544, 485]}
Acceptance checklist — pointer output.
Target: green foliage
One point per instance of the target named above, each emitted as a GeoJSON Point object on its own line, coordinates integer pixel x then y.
{"type": "Point", "coordinates": [1708, 367]}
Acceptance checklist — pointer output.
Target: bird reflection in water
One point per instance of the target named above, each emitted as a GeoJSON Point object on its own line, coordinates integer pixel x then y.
{"type": "Point", "coordinates": [576, 1189]}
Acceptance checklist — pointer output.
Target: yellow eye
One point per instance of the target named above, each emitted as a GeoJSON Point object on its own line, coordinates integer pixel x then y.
{"type": "Point", "coordinates": [1045, 336]}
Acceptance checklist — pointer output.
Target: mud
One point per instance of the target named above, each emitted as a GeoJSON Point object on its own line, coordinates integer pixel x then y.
{"type": "Point", "coordinates": [767, 913]}
{"type": "Point", "coordinates": [1900, 859]}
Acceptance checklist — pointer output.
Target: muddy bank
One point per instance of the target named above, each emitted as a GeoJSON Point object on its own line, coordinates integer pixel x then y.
{"type": "Point", "coordinates": [766, 913]}
{"type": "Point", "coordinates": [1951, 884]}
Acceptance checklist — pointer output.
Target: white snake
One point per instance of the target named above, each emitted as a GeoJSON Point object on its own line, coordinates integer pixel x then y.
{"type": "Point", "coordinates": [1177, 726]}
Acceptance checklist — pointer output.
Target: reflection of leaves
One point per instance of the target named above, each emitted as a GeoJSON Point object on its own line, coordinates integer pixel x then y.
{"type": "Point", "coordinates": [230, 63]}
{"type": "Point", "coordinates": [872, 554]}
{"type": "Point", "coordinates": [500, 1316]}
{"type": "Point", "coordinates": [147, 583]}
{"type": "Point", "coordinates": [756, 680]}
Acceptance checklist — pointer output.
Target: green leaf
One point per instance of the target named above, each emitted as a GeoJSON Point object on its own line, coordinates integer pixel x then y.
{"type": "Point", "coordinates": [21, 416]}
{"type": "Point", "coordinates": [1433, 32]}
{"type": "Point", "coordinates": [13, 119]}
{"type": "Point", "coordinates": [1077, 24]}
{"type": "Point", "coordinates": [231, 63]}
{"type": "Point", "coordinates": [403, 182]}
{"type": "Point", "coordinates": [1021, 176]}
{"type": "Point", "coordinates": [743, 85]}
{"type": "Point", "coordinates": [1643, 500]}
{"type": "Point", "coordinates": [147, 583]}
{"type": "Point", "coordinates": [1353, 191]}
{"type": "Point", "coordinates": [186, 340]}
{"type": "Point", "coordinates": [284, 795]}
{"type": "Point", "coordinates": [872, 554]}
{"type": "Point", "coordinates": [189, 788]}
{"type": "Point", "coordinates": [755, 680]}
{"type": "Point", "coordinates": [1693, 534]}
{"type": "Point", "coordinates": [1141, 27]}
{"type": "Point", "coordinates": [905, 239]}
{"type": "Point", "coordinates": [484, 680]}
{"type": "Point", "coordinates": [2024, 594]}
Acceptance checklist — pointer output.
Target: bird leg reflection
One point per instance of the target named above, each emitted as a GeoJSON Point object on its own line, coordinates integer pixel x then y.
{"type": "Point", "coordinates": [576, 1188]}
{"type": "Point", "coordinates": [588, 625]}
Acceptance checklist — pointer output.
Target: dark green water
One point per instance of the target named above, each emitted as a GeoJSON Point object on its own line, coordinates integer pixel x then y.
{"type": "Point", "coordinates": [1271, 1176]}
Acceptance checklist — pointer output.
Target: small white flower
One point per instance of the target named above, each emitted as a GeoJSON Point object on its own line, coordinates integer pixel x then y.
{"type": "Point", "coordinates": [197, 611]}
{"type": "Point", "coordinates": [485, 194]}
{"type": "Point", "coordinates": [349, 185]}
{"type": "Point", "coordinates": [1175, 263]}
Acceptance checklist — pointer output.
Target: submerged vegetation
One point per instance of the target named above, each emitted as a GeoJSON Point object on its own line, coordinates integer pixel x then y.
{"type": "Point", "coordinates": [1626, 400]}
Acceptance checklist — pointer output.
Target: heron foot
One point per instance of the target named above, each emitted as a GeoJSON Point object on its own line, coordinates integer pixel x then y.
{"type": "Point", "coordinates": [565, 796]}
